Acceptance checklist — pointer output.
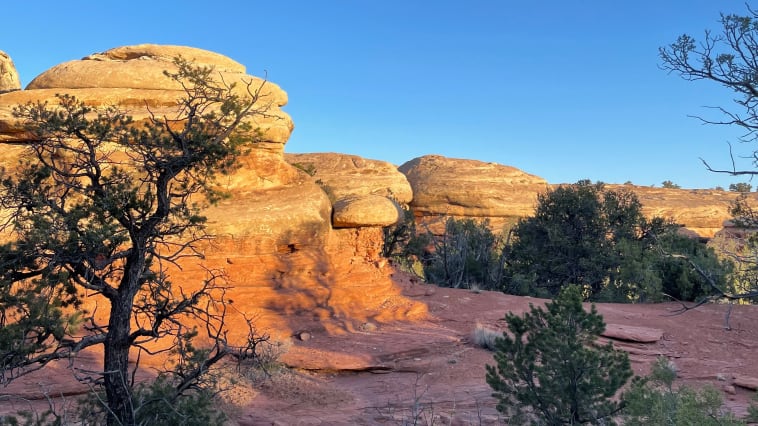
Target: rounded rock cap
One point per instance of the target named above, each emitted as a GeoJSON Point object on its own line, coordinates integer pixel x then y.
{"type": "Point", "coordinates": [364, 210]}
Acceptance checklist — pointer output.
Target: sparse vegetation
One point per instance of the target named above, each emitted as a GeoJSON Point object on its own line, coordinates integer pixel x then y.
{"type": "Point", "coordinates": [669, 185]}
{"type": "Point", "coordinates": [580, 234]}
{"type": "Point", "coordinates": [403, 244]}
{"type": "Point", "coordinates": [485, 337]}
{"type": "Point", "coordinates": [467, 254]}
{"type": "Point", "coordinates": [741, 187]}
{"type": "Point", "coordinates": [653, 400]}
{"type": "Point", "coordinates": [308, 168]}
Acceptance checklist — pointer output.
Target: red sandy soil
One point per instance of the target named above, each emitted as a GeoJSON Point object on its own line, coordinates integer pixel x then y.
{"type": "Point", "coordinates": [389, 373]}
{"type": "Point", "coordinates": [432, 368]}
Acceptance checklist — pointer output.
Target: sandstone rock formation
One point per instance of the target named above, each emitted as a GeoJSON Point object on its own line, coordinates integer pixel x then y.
{"type": "Point", "coordinates": [274, 236]}
{"type": "Point", "coordinates": [630, 333]}
{"type": "Point", "coordinates": [474, 189]}
{"type": "Point", "coordinates": [8, 76]}
{"type": "Point", "coordinates": [132, 78]}
{"type": "Point", "coordinates": [700, 210]}
{"type": "Point", "coordinates": [345, 175]}
{"type": "Point", "coordinates": [469, 188]}
{"type": "Point", "coordinates": [367, 210]}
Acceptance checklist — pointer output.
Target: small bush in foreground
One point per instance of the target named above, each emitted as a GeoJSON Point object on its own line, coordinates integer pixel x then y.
{"type": "Point", "coordinates": [485, 337]}
{"type": "Point", "coordinates": [159, 404]}
{"type": "Point", "coordinates": [552, 371]}
{"type": "Point", "coordinates": [654, 401]}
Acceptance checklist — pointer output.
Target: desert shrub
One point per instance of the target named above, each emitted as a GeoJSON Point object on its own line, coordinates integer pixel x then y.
{"type": "Point", "coordinates": [403, 244]}
{"type": "Point", "coordinates": [32, 418]}
{"type": "Point", "coordinates": [466, 255]}
{"type": "Point", "coordinates": [739, 245]}
{"type": "Point", "coordinates": [670, 185]}
{"type": "Point", "coordinates": [159, 403]}
{"type": "Point", "coordinates": [265, 364]}
{"type": "Point", "coordinates": [740, 187]}
{"type": "Point", "coordinates": [485, 337]}
{"type": "Point", "coordinates": [308, 168]}
{"type": "Point", "coordinates": [597, 238]}
{"type": "Point", "coordinates": [550, 370]}
{"type": "Point", "coordinates": [653, 400]}
{"type": "Point", "coordinates": [678, 268]}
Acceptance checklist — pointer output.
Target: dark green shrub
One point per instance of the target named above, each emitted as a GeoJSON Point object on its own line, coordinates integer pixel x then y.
{"type": "Point", "coordinates": [550, 370]}
{"type": "Point", "coordinates": [597, 238]}
{"type": "Point", "coordinates": [679, 277]}
{"type": "Point", "coordinates": [571, 239]}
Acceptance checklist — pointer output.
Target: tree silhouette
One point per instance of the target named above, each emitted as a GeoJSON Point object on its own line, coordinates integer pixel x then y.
{"type": "Point", "coordinates": [100, 209]}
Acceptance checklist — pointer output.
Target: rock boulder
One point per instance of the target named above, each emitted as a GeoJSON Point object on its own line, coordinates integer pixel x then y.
{"type": "Point", "coordinates": [8, 76]}
{"type": "Point", "coordinates": [366, 210]}
{"type": "Point", "coordinates": [344, 175]}
{"type": "Point", "coordinates": [132, 78]}
{"type": "Point", "coordinates": [469, 188]}
{"type": "Point", "coordinates": [142, 67]}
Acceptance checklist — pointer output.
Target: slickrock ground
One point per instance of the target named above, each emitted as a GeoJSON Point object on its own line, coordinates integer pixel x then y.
{"type": "Point", "coordinates": [379, 371]}
{"type": "Point", "coordinates": [376, 376]}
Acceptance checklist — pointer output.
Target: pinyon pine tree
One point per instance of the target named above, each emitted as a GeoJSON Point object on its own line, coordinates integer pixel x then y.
{"type": "Point", "coordinates": [549, 370]}
{"type": "Point", "coordinates": [100, 210]}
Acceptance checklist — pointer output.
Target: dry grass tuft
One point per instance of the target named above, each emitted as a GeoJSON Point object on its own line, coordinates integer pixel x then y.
{"type": "Point", "coordinates": [485, 337]}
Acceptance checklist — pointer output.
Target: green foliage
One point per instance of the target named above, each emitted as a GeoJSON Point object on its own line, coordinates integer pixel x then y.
{"type": "Point", "coordinates": [550, 370]}
{"type": "Point", "coordinates": [402, 243]}
{"type": "Point", "coordinates": [654, 401]}
{"type": "Point", "coordinates": [740, 247]}
{"type": "Point", "coordinates": [308, 168]}
{"type": "Point", "coordinates": [572, 238]}
{"type": "Point", "coordinates": [158, 403]}
{"type": "Point", "coordinates": [670, 185]}
{"type": "Point", "coordinates": [31, 418]}
{"type": "Point", "coordinates": [752, 410]}
{"type": "Point", "coordinates": [680, 280]}
{"type": "Point", "coordinates": [740, 187]}
{"type": "Point", "coordinates": [597, 238]}
{"type": "Point", "coordinates": [467, 255]}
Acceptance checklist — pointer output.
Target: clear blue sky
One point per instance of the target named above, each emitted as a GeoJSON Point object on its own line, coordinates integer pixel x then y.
{"type": "Point", "coordinates": [562, 89]}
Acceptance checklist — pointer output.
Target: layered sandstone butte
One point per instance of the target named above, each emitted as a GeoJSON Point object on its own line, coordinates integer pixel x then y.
{"type": "Point", "coordinates": [132, 77]}
{"type": "Point", "coordinates": [703, 211]}
{"type": "Point", "coordinates": [288, 265]}
{"type": "Point", "coordinates": [479, 190]}
{"type": "Point", "coordinates": [470, 189]}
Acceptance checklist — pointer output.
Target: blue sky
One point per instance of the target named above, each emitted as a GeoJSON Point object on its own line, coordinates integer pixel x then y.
{"type": "Point", "coordinates": [562, 89]}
